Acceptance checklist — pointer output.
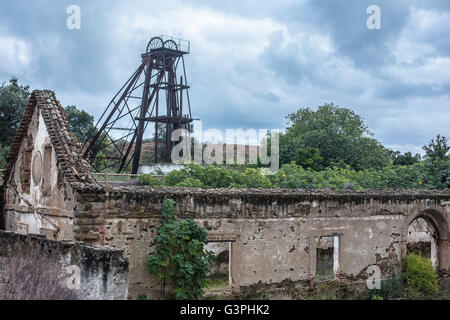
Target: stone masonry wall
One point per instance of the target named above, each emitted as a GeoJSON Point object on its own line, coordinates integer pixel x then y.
{"type": "Point", "coordinates": [275, 233]}
{"type": "Point", "coordinates": [94, 273]}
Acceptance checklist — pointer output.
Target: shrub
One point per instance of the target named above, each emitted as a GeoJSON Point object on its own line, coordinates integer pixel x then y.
{"type": "Point", "coordinates": [420, 277]}
{"type": "Point", "coordinates": [190, 182]}
{"type": "Point", "coordinates": [180, 256]}
{"type": "Point", "coordinates": [149, 180]}
{"type": "Point", "coordinates": [423, 175]}
{"type": "Point", "coordinates": [196, 176]}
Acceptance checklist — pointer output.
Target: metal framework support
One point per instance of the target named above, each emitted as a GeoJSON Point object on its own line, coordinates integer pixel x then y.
{"type": "Point", "coordinates": [119, 135]}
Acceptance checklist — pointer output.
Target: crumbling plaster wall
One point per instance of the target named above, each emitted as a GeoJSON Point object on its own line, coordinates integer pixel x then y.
{"type": "Point", "coordinates": [95, 273]}
{"type": "Point", "coordinates": [422, 239]}
{"type": "Point", "coordinates": [44, 204]}
{"type": "Point", "coordinates": [275, 232]}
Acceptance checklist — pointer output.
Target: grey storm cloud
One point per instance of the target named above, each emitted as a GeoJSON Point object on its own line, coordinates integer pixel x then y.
{"type": "Point", "coordinates": [347, 26]}
{"type": "Point", "coordinates": [251, 64]}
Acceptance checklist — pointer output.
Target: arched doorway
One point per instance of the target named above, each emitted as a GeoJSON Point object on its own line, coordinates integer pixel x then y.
{"type": "Point", "coordinates": [427, 233]}
{"type": "Point", "coordinates": [423, 239]}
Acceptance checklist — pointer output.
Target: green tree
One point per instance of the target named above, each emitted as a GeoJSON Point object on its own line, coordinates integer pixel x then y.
{"type": "Point", "coordinates": [405, 159]}
{"type": "Point", "coordinates": [338, 133]}
{"type": "Point", "coordinates": [309, 158]}
{"type": "Point", "coordinates": [80, 122]}
{"type": "Point", "coordinates": [289, 147]}
{"type": "Point", "coordinates": [437, 163]}
{"type": "Point", "coordinates": [13, 100]}
{"type": "Point", "coordinates": [180, 258]}
{"type": "Point", "coordinates": [3, 156]}
{"type": "Point", "coordinates": [437, 149]}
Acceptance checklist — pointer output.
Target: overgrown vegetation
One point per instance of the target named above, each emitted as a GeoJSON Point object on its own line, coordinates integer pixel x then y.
{"type": "Point", "coordinates": [13, 100]}
{"type": "Point", "coordinates": [419, 280]}
{"type": "Point", "coordinates": [181, 260]}
{"type": "Point", "coordinates": [420, 277]}
{"type": "Point", "coordinates": [218, 283]}
{"type": "Point", "coordinates": [4, 150]}
{"type": "Point", "coordinates": [327, 148]}
{"type": "Point", "coordinates": [428, 174]}
{"type": "Point", "coordinates": [80, 122]}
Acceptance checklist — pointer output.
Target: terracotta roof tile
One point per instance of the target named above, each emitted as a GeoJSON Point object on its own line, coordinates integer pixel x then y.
{"type": "Point", "coordinates": [67, 148]}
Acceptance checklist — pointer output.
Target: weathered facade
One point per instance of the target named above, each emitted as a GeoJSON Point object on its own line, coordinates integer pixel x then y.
{"type": "Point", "coordinates": [273, 236]}
{"type": "Point", "coordinates": [44, 172]}
{"type": "Point", "coordinates": [92, 273]}
{"type": "Point", "coordinates": [38, 195]}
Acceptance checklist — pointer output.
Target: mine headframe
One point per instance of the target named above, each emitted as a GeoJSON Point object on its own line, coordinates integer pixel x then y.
{"type": "Point", "coordinates": [153, 94]}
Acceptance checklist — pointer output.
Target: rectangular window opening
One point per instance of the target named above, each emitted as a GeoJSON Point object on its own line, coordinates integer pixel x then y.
{"type": "Point", "coordinates": [220, 270]}
{"type": "Point", "coordinates": [327, 262]}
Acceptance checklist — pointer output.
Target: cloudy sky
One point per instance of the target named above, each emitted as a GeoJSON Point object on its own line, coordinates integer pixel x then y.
{"type": "Point", "coordinates": [252, 62]}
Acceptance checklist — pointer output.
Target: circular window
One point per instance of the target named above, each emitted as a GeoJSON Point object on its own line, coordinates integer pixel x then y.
{"type": "Point", "coordinates": [37, 168]}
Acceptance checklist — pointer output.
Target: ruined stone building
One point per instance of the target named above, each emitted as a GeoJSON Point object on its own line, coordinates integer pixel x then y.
{"type": "Point", "coordinates": [38, 195]}
{"type": "Point", "coordinates": [272, 237]}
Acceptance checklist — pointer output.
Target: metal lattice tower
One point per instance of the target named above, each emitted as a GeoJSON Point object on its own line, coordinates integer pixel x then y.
{"type": "Point", "coordinates": [153, 94]}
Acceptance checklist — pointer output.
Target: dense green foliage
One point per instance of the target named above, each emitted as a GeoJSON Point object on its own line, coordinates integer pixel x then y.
{"type": "Point", "coordinates": [13, 100]}
{"type": "Point", "coordinates": [194, 175]}
{"type": "Point", "coordinates": [437, 149]}
{"type": "Point", "coordinates": [431, 173]}
{"type": "Point", "coordinates": [4, 150]}
{"type": "Point", "coordinates": [80, 122]}
{"type": "Point", "coordinates": [422, 175]}
{"type": "Point", "coordinates": [420, 276]}
{"type": "Point", "coordinates": [427, 174]}
{"type": "Point", "coordinates": [309, 158]}
{"type": "Point", "coordinates": [405, 159]}
{"type": "Point", "coordinates": [338, 134]}
{"type": "Point", "coordinates": [180, 258]}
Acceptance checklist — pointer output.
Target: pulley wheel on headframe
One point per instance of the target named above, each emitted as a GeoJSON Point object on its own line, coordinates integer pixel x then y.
{"type": "Point", "coordinates": [155, 43]}
{"type": "Point", "coordinates": [156, 93]}
{"type": "Point", "coordinates": [170, 44]}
